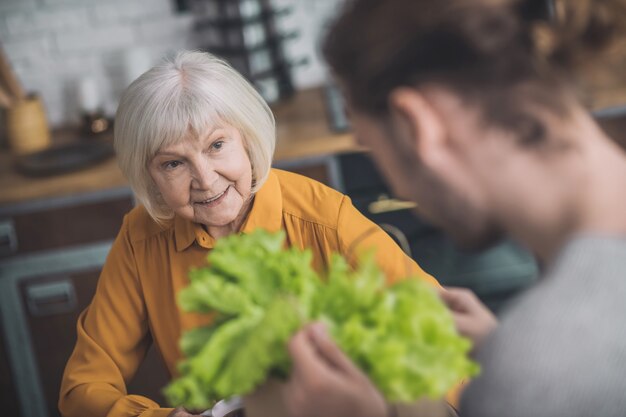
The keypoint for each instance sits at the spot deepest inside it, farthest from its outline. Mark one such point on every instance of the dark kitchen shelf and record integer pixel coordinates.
(227, 22)
(273, 42)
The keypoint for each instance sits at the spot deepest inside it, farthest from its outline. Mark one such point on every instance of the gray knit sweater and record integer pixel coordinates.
(560, 349)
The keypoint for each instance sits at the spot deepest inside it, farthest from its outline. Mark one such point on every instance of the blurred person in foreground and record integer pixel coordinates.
(470, 108)
(195, 141)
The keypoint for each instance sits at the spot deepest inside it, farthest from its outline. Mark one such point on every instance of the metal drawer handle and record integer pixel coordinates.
(8, 238)
(51, 298)
(385, 204)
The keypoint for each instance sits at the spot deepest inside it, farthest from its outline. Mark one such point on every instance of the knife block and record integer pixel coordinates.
(27, 126)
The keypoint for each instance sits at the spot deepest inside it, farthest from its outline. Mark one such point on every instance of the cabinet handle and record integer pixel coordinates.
(8, 238)
(385, 204)
(51, 298)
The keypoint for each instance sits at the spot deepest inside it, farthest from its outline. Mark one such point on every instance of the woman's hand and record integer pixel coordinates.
(472, 318)
(324, 381)
(181, 412)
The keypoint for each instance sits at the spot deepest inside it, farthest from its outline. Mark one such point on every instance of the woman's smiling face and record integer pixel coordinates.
(206, 179)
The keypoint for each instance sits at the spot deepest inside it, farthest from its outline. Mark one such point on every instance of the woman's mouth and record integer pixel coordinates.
(214, 201)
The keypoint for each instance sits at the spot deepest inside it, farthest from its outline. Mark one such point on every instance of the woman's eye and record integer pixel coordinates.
(171, 164)
(217, 145)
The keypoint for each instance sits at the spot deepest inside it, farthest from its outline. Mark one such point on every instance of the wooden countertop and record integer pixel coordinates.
(302, 130)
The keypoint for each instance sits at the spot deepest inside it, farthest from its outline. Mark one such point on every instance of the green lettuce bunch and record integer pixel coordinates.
(402, 336)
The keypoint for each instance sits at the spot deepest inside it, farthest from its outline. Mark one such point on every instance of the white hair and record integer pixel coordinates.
(183, 95)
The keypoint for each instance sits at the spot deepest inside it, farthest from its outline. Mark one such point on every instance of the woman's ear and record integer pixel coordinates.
(416, 123)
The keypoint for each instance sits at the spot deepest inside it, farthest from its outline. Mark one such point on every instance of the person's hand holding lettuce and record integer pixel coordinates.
(401, 336)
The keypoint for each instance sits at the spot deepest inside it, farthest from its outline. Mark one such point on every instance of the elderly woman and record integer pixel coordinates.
(195, 141)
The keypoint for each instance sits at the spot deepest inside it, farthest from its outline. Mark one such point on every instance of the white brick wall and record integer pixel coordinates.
(99, 38)
(45, 21)
(54, 3)
(25, 47)
(6, 5)
(52, 44)
(131, 11)
(164, 29)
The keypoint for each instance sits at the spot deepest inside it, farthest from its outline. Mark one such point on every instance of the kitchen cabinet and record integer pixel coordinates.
(45, 283)
(52, 253)
(50, 301)
(41, 296)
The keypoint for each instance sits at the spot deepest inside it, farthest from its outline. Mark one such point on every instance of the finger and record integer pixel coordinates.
(445, 294)
(460, 299)
(451, 298)
(304, 354)
(329, 350)
(181, 412)
(462, 293)
(464, 324)
(456, 292)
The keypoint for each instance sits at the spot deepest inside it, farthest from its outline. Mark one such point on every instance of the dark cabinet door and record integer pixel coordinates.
(41, 297)
(51, 305)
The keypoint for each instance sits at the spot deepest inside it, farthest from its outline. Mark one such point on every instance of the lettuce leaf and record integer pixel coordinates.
(261, 293)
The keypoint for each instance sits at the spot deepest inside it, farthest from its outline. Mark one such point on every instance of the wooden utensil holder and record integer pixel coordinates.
(27, 126)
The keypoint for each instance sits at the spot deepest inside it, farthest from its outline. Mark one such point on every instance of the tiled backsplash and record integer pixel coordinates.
(54, 44)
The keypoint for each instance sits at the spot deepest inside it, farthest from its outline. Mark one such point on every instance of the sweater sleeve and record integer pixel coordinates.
(357, 234)
(112, 341)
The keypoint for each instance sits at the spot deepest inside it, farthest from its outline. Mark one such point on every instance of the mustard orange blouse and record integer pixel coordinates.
(135, 301)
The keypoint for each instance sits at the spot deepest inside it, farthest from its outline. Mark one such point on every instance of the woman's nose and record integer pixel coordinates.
(204, 176)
